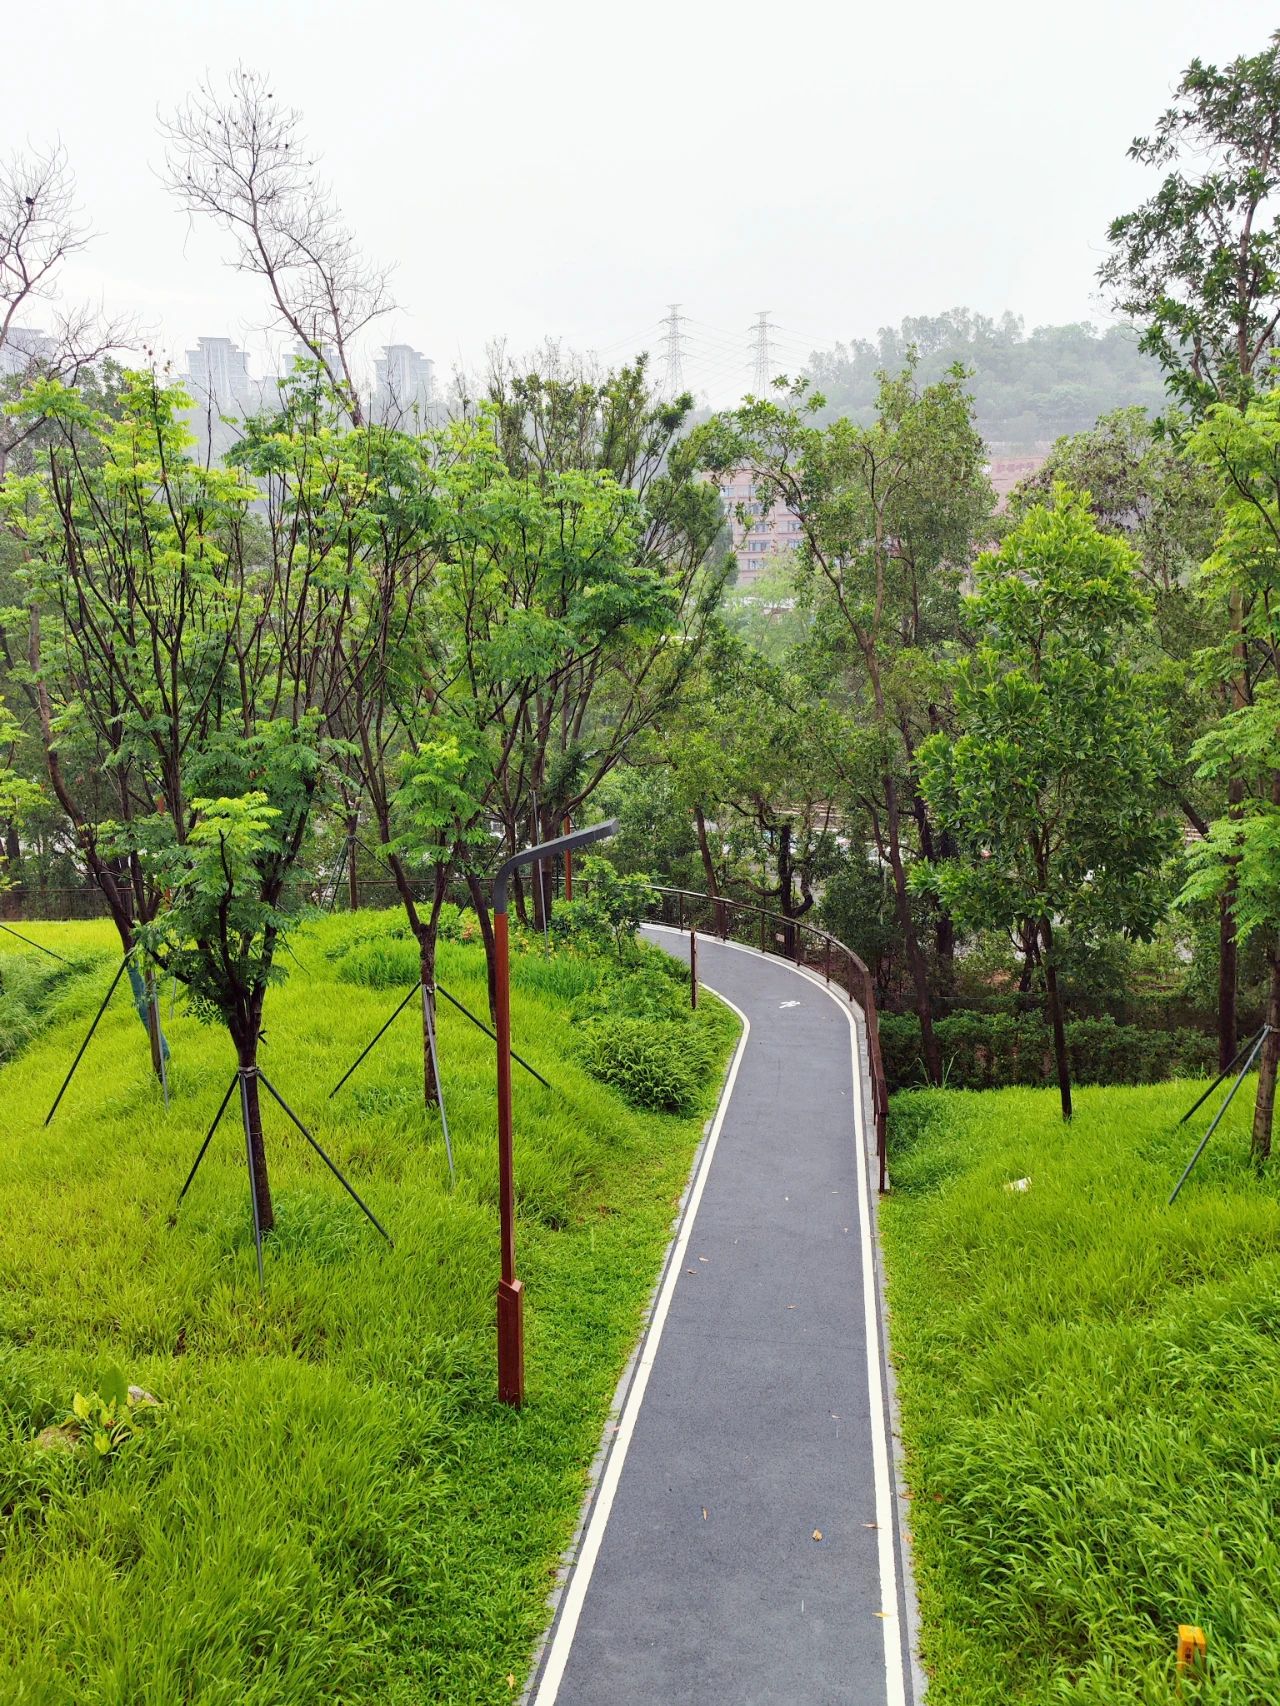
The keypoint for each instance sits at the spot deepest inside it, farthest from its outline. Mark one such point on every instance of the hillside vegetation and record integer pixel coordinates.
(1090, 1383)
(349, 1512)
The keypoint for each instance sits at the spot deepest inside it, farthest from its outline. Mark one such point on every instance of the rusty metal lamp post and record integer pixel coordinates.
(510, 1292)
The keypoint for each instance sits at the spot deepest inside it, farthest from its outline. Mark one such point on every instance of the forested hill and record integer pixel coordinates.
(1029, 388)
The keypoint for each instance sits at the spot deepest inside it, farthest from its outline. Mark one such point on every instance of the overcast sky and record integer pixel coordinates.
(566, 168)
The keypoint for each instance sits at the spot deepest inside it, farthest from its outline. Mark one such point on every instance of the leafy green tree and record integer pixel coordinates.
(744, 763)
(210, 636)
(614, 622)
(655, 828)
(1242, 851)
(1052, 783)
(1147, 488)
(1029, 386)
(18, 794)
(1197, 266)
(889, 514)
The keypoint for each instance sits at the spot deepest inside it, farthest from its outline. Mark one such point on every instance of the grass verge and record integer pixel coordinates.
(1090, 1386)
(330, 1504)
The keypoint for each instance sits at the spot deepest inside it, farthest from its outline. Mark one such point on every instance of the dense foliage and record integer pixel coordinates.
(1029, 388)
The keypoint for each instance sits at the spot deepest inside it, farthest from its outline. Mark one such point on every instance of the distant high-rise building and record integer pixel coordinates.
(404, 392)
(24, 348)
(222, 395)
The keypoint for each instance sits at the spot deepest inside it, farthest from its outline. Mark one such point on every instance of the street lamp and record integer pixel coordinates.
(510, 1291)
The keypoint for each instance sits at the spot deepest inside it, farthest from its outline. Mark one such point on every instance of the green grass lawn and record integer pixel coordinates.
(1090, 1385)
(330, 1504)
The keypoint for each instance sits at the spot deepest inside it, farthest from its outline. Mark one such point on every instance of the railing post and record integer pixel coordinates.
(693, 967)
(828, 959)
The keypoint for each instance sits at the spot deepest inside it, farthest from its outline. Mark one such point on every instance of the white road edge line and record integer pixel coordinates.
(895, 1678)
(575, 1591)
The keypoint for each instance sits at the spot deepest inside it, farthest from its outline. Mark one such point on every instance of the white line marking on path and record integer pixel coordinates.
(580, 1580)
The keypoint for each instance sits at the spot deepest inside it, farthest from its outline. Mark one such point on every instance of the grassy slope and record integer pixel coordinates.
(1091, 1394)
(332, 1505)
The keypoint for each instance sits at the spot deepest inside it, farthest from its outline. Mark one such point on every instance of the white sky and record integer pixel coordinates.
(566, 168)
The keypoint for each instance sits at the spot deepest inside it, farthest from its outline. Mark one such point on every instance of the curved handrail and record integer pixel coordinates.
(834, 958)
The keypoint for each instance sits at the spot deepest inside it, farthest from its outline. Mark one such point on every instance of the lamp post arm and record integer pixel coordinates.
(547, 850)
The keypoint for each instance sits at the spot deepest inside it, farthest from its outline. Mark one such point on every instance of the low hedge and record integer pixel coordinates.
(992, 1051)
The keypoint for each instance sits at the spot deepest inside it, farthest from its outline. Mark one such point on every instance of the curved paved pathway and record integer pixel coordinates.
(754, 1417)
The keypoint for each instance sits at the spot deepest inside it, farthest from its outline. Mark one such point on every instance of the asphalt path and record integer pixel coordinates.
(743, 1542)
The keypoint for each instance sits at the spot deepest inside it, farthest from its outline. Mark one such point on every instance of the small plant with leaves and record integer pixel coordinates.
(613, 904)
(105, 1420)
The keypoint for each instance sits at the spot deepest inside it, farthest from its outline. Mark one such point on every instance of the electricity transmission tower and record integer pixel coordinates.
(763, 368)
(674, 341)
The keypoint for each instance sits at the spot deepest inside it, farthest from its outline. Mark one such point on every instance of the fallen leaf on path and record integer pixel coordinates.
(817, 1534)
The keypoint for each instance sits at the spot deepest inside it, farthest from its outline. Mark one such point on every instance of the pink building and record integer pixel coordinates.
(763, 536)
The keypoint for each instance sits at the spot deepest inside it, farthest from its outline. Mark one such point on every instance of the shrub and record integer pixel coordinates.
(987, 1051)
(612, 906)
(656, 1064)
(642, 989)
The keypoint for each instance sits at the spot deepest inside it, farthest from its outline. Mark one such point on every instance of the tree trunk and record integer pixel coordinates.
(154, 1033)
(247, 1055)
(1026, 977)
(13, 858)
(945, 943)
(481, 904)
(911, 942)
(1264, 1103)
(944, 926)
(1054, 1004)
(1228, 951)
(353, 880)
(1228, 955)
(704, 849)
(1227, 976)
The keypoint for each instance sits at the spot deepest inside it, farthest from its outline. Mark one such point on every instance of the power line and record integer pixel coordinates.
(634, 343)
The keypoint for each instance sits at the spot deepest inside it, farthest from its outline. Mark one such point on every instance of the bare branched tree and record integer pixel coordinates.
(239, 157)
(41, 227)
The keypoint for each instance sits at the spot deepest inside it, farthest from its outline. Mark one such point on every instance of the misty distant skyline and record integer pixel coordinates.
(559, 171)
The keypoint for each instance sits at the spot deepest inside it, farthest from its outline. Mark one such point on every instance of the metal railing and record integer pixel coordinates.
(804, 945)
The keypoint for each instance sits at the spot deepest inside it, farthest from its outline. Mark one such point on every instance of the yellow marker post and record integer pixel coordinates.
(1193, 1650)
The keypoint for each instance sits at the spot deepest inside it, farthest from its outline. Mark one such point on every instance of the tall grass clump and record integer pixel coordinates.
(1090, 1383)
(328, 1504)
(36, 990)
